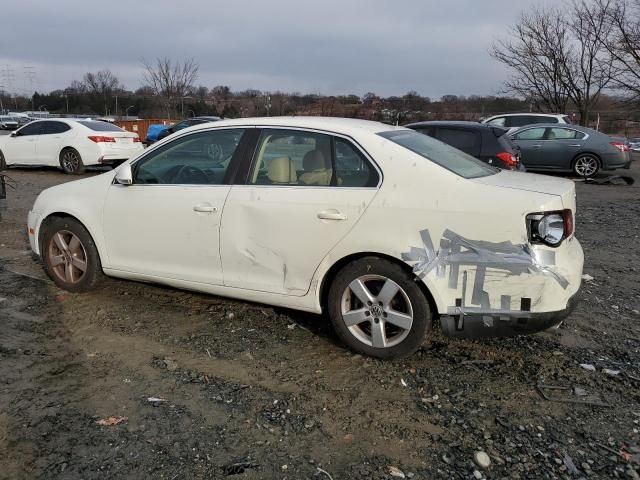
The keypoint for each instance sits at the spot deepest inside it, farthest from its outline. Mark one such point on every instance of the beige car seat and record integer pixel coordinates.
(315, 169)
(282, 170)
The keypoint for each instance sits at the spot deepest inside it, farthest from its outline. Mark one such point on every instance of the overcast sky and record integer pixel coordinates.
(329, 46)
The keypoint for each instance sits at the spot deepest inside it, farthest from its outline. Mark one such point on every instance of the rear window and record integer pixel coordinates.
(100, 126)
(440, 153)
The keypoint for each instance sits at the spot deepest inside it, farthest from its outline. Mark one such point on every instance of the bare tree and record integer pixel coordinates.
(103, 83)
(558, 58)
(171, 80)
(622, 21)
(536, 52)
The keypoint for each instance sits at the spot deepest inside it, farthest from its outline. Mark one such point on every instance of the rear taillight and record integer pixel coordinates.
(101, 139)
(623, 147)
(567, 217)
(509, 159)
(136, 139)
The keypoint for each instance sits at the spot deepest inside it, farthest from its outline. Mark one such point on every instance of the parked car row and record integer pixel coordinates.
(542, 143)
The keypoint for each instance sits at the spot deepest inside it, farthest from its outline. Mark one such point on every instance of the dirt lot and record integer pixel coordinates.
(253, 392)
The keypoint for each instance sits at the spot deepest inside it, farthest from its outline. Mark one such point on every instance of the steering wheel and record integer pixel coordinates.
(191, 174)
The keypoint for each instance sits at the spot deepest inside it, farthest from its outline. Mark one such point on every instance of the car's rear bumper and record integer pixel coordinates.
(480, 326)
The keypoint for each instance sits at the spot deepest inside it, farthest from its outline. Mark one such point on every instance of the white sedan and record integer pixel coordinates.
(69, 144)
(381, 228)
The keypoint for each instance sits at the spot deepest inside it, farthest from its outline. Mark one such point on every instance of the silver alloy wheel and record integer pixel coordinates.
(67, 256)
(377, 311)
(586, 166)
(70, 160)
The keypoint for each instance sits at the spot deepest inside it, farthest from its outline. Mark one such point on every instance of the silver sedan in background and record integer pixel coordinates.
(570, 148)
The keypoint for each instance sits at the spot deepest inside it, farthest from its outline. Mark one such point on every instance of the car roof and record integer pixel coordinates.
(335, 124)
(529, 114)
(204, 117)
(452, 123)
(570, 126)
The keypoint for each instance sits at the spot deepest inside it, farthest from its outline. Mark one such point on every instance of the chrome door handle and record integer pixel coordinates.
(205, 209)
(536, 146)
(575, 145)
(331, 215)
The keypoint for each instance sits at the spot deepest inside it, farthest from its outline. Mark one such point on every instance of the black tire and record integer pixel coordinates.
(3, 162)
(71, 161)
(409, 300)
(51, 254)
(586, 165)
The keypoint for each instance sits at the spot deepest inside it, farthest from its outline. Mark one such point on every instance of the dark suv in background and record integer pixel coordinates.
(485, 142)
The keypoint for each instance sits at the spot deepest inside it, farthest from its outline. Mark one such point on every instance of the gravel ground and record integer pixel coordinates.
(245, 391)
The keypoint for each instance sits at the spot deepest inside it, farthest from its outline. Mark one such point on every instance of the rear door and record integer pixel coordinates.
(304, 192)
(561, 146)
(530, 141)
(50, 141)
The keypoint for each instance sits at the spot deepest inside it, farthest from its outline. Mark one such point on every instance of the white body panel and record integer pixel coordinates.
(274, 249)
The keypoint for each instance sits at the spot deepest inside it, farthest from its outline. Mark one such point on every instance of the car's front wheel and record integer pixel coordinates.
(586, 165)
(378, 309)
(70, 256)
(3, 162)
(71, 161)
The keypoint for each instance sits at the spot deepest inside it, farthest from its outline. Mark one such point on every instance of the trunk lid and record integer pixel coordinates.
(530, 182)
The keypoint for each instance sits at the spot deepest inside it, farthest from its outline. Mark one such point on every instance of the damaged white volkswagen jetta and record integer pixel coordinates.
(382, 228)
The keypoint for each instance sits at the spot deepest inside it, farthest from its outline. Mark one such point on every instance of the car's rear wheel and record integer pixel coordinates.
(71, 161)
(70, 256)
(586, 165)
(3, 162)
(378, 309)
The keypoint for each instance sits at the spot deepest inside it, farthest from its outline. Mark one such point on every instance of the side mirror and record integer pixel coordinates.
(14, 134)
(124, 176)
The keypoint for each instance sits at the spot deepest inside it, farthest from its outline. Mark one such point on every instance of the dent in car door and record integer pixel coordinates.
(276, 231)
(167, 223)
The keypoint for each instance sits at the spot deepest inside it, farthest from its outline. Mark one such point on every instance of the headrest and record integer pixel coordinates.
(313, 160)
(282, 170)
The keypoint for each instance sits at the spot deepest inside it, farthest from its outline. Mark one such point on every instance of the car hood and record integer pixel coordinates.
(531, 182)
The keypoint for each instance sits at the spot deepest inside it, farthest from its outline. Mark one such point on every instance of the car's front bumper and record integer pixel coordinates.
(33, 227)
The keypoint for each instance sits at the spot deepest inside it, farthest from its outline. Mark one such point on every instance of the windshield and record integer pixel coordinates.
(440, 153)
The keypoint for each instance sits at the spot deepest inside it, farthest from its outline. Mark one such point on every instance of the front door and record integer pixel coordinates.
(166, 224)
(531, 142)
(20, 147)
(304, 192)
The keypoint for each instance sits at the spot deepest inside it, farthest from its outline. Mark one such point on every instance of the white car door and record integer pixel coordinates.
(20, 146)
(49, 142)
(166, 224)
(304, 192)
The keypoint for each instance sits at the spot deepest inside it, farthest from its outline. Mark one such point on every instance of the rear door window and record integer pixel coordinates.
(50, 128)
(499, 122)
(564, 134)
(466, 140)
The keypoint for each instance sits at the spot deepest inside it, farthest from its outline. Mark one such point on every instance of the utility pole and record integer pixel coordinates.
(117, 112)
